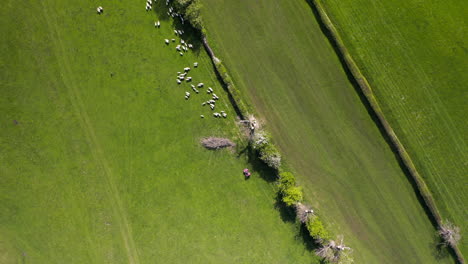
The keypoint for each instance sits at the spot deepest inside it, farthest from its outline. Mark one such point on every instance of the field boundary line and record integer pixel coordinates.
(366, 90)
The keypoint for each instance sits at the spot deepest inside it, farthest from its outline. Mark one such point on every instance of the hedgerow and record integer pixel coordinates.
(317, 229)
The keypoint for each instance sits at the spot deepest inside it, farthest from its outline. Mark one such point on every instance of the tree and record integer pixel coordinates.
(335, 252)
(449, 233)
(303, 212)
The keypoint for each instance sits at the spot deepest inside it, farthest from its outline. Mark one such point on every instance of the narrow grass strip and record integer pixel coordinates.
(370, 97)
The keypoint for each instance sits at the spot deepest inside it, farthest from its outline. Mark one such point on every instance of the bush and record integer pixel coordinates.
(303, 212)
(191, 10)
(291, 195)
(449, 233)
(286, 180)
(316, 229)
(271, 156)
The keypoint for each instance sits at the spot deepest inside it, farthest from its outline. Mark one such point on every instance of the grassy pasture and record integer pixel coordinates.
(278, 56)
(414, 55)
(97, 168)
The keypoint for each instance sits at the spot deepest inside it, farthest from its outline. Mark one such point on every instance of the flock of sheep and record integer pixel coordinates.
(182, 76)
(182, 48)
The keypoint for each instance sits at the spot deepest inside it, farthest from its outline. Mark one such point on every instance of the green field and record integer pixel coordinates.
(100, 159)
(415, 56)
(279, 57)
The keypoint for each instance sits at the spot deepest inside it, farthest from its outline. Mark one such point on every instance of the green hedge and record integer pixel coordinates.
(317, 229)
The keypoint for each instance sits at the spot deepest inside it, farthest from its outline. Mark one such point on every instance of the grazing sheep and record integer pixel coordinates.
(181, 54)
(178, 81)
(195, 64)
(193, 86)
(188, 79)
(190, 46)
(224, 115)
(173, 40)
(200, 85)
(167, 41)
(187, 93)
(212, 106)
(203, 104)
(100, 9)
(157, 24)
(202, 116)
(181, 78)
(181, 40)
(187, 69)
(178, 48)
(175, 31)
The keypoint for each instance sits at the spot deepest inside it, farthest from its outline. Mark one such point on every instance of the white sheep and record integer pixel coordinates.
(181, 54)
(178, 81)
(195, 64)
(188, 79)
(200, 85)
(187, 69)
(190, 46)
(224, 115)
(202, 116)
(167, 41)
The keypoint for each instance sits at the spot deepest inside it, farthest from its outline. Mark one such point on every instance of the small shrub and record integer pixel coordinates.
(316, 229)
(450, 234)
(260, 139)
(291, 195)
(303, 212)
(271, 156)
(215, 143)
(286, 180)
(335, 251)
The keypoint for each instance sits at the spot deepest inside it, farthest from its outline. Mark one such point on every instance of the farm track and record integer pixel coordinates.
(93, 142)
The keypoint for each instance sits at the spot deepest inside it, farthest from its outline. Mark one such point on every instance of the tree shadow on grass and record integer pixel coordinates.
(287, 214)
(442, 251)
(266, 173)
